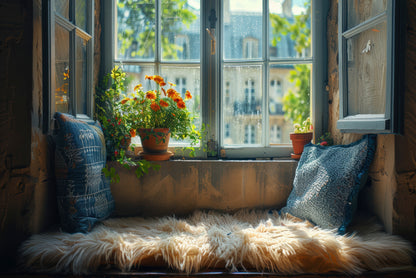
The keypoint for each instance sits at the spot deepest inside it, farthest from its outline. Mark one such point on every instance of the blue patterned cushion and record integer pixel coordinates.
(327, 182)
(83, 192)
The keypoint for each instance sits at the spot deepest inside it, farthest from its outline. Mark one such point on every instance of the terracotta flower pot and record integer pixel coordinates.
(299, 140)
(155, 143)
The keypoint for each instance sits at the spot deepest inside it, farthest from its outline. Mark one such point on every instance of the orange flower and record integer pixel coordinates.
(171, 84)
(158, 79)
(171, 92)
(132, 132)
(148, 77)
(177, 98)
(138, 87)
(162, 83)
(188, 95)
(124, 100)
(151, 95)
(163, 103)
(181, 104)
(154, 106)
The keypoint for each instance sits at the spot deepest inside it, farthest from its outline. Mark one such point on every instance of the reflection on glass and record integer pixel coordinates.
(362, 10)
(242, 104)
(290, 29)
(289, 95)
(367, 64)
(62, 7)
(180, 36)
(81, 75)
(62, 73)
(242, 29)
(81, 9)
(136, 29)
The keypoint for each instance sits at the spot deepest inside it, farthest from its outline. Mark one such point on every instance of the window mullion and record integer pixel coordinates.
(265, 89)
(72, 71)
(158, 42)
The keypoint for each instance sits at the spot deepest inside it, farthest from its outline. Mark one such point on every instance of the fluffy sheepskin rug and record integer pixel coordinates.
(257, 240)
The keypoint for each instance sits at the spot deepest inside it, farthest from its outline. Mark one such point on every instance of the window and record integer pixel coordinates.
(369, 41)
(69, 57)
(239, 81)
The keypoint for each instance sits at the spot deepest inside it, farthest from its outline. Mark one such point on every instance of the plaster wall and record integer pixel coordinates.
(180, 187)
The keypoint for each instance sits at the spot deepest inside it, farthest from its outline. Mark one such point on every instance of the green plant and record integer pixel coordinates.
(161, 108)
(305, 127)
(116, 128)
(325, 139)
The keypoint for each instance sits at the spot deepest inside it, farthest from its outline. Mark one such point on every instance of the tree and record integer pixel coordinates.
(136, 26)
(296, 103)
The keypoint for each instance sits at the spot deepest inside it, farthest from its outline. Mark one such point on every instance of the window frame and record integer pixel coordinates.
(211, 87)
(391, 120)
(50, 18)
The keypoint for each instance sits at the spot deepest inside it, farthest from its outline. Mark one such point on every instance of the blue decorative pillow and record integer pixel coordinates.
(327, 182)
(83, 192)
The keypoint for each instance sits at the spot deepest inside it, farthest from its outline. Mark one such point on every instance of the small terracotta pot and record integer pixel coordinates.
(155, 143)
(299, 140)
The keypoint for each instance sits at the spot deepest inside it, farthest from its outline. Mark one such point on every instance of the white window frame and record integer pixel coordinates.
(211, 88)
(391, 120)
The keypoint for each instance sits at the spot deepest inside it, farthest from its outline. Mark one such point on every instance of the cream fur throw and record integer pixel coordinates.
(256, 240)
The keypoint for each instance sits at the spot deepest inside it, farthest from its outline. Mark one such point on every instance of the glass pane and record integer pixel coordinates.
(290, 29)
(180, 30)
(62, 73)
(81, 75)
(136, 29)
(62, 7)
(367, 65)
(362, 10)
(242, 29)
(81, 9)
(186, 78)
(242, 102)
(289, 99)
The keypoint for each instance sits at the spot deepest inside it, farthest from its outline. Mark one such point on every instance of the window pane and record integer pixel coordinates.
(290, 29)
(62, 7)
(62, 73)
(242, 105)
(136, 29)
(186, 78)
(362, 10)
(180, 30)
(242, 29)
(81, 9)
(81, 75)
(289, 99)
(367, 65)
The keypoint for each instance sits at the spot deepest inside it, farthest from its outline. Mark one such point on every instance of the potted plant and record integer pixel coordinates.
(116, 127)
(157, 115)
(301, 136)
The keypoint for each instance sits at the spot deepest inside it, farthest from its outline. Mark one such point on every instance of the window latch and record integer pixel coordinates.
(211, 31)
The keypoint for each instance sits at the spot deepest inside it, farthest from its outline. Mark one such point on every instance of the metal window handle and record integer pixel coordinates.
(211, 33)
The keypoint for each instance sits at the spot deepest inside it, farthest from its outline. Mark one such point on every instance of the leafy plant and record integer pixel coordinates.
(117, 130)
(325, 139)
(161, 108)
(305, 127)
